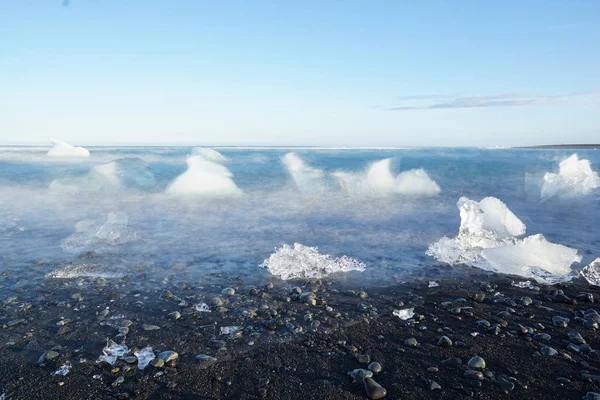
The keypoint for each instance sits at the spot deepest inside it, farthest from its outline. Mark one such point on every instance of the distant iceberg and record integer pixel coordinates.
(205, 177)
(124, 173)
(575, 179)
(62, 149)
(306, 178)
(379, 180)
(488, 239)
(376, 180)
(302, 262)
(208, 154)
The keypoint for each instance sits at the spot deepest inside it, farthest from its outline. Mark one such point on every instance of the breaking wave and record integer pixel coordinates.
(124, 173)
(302, 262)
(488, 239)
(62, 149)
(204, 178)
(575, 179)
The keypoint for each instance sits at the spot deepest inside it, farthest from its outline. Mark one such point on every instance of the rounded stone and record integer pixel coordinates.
(373, 389)
(228, 291)
(412, 342)
(477, 362)
(375, 367)
(444, 341)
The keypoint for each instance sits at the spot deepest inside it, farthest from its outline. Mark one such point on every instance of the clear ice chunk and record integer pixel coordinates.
(144, 357)
(404, 314)
(591, 272)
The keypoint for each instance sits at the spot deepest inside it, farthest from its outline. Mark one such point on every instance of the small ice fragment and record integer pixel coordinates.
(304, 262)
(591, 273)
(156, 375)
(82, 361)
(64, 369)
(404, 314)
(229, 330)
(474, 334)
(202, 307)
(524, 285)
(144, 357)
(112, 351)
(433, 284)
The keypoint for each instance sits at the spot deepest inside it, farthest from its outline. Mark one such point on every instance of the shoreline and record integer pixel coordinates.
(280, 352)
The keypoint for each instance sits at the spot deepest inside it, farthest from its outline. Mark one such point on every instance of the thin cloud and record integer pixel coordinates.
(497, 100)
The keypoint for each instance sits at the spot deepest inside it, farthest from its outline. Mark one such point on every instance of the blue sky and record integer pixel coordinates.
(325, 73)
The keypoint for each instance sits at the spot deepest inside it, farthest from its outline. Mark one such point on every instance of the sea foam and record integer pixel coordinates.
(208, 154)
(205, 178)
(62, 149)
(301, 262)
(574, 179)
(488, 238)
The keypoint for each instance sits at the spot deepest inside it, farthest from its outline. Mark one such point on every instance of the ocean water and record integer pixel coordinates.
(180, 210)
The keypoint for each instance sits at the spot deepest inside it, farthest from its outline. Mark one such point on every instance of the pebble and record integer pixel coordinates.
(168, 355)
(228, 291)
(452, 362)
(505, 383)
(432, 385)
(548, 351)
(560, 321)
(118, 381)
(157, 362)
(444, 341)
(477, 362)
(150, 327)
(359, 374)
(479, 297)
(411, 342)
(175, 315)
(375, 367)
(15, 322)
(471, 373)
(363, 358)
(373, 389)
(433, 369)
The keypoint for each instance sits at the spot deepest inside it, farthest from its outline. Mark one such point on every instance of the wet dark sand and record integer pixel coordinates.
(306, 364)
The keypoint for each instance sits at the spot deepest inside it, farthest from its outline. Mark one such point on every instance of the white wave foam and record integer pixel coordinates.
(574, 179)
(306, 178)
(488, 239)
(124, 173)
(62, 149)
(379, 180)
(208, 154)
(301, 262)
(206, 179)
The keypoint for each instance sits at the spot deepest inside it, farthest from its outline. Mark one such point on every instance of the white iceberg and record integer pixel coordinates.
(591, 272)
(306, 178)
(488, 238)
(208, 154)
(204, 178)
(62, 149)
(124, 173)
(302, 262)
(575, 179)
(378, 180)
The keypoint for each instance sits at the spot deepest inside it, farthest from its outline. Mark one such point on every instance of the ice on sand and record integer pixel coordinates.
(112, 351)
(591, 272)
(144, 357)
(488, 238)
(301, 261)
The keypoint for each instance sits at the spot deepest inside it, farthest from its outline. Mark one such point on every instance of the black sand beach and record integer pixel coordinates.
(282, 352)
